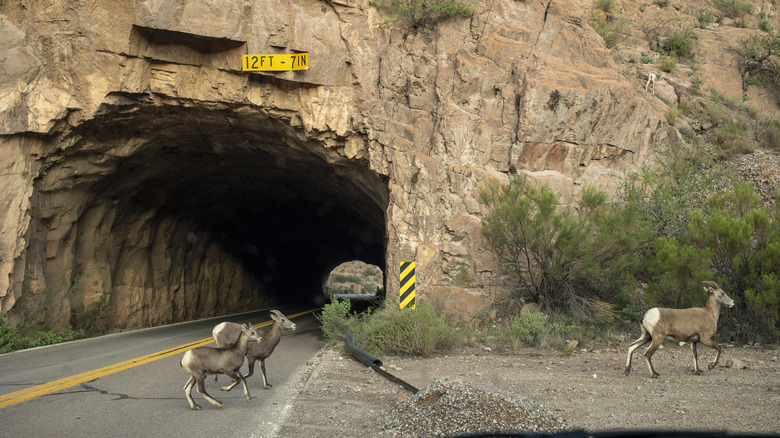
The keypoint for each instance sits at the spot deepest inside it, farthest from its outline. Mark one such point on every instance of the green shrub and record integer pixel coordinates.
(528, 328)
(664, 195)
(464, 277)
(420, 331)
(419, 13)
(336, 321)
(688, 135)
(732, 137)
(745, 242)
(345, 278)
(727, 101)
(671, 114)
(12, 339)
(704, 18)
(679, 44)
(734, 8)
(567, 261)
(667, 64)
(604, 6)
(676, 272)
(647, 59)
(769, 134)
(661, 3)
(683, 105)
(760, 55)
(613, 32)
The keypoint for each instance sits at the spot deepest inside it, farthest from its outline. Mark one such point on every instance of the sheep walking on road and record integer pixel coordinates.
(692, 325)
(201, 361)
(226, 333)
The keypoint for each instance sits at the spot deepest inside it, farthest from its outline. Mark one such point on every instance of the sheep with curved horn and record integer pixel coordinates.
(226, 333)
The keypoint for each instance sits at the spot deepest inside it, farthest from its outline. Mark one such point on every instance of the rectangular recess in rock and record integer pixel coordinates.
(186, 48)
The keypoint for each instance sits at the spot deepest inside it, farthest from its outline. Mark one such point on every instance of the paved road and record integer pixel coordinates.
(145, 399)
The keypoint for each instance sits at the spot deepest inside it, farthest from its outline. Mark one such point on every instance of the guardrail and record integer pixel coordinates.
(373, 362)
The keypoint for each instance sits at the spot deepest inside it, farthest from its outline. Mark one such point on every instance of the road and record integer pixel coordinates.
(143, 396)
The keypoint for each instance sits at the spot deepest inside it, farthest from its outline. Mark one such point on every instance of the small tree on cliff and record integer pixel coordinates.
(575, 262)
(418, 13)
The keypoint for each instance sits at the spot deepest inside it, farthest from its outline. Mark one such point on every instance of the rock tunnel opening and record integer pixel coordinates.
(156, 215)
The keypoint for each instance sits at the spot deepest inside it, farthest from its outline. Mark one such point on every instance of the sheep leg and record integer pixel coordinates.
(236, 375)
(232, 385)
(644, 339)
(201, 388)
(251, 366)
(696, 369)
(708, 342)
(188, 393)
(265, 379)
(649, 353)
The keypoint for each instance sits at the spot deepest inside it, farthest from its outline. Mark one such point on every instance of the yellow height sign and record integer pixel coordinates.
(275, 62)
(407, 285)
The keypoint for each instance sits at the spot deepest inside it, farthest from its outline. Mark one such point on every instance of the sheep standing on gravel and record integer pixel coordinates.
(693, 325)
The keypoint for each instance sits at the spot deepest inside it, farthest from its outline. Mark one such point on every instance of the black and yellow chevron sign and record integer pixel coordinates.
(407, 285)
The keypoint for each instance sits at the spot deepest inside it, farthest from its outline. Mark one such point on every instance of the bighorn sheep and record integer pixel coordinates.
(650, 83)
(692, 325)
(200, 361)
(226, 333)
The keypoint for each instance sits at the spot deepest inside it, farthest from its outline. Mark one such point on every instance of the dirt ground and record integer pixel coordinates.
(337, 396)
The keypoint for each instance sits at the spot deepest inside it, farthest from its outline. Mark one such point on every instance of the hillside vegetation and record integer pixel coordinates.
(709, 212)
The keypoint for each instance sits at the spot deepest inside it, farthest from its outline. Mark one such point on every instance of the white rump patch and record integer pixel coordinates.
(651, 319)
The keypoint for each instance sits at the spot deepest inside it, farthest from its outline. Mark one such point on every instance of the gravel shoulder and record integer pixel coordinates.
(588, 389)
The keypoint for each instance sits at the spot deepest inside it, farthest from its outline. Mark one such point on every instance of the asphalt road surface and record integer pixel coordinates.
(130, 384)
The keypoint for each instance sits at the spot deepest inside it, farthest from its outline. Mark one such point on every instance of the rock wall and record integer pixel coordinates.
(418, 120)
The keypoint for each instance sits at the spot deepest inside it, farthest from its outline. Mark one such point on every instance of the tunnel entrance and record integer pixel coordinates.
(156, 214)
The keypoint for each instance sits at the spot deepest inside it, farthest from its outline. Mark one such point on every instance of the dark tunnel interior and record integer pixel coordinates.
(281, 203)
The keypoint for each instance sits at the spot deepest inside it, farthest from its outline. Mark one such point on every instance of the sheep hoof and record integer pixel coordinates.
(225, 388)
(627, 371)
(697, 372)
(269, 386)
(655, 375)
(711, 366)
(195, 407)
(248, 398)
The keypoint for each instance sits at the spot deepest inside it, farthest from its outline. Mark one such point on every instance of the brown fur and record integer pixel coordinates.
(693, 325)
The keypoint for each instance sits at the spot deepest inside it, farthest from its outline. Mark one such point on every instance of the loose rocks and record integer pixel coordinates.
(447, 408)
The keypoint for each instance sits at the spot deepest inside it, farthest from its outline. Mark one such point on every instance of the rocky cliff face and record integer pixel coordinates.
(146, 179)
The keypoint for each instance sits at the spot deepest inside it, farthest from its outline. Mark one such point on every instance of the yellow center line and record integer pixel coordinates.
(67, 382)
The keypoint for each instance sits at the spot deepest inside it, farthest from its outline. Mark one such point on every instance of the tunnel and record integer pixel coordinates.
(154, 213)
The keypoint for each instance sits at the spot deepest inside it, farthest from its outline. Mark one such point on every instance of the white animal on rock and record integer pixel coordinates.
(201, 361)
(650, 83)
(226, 333)
(693, 325)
